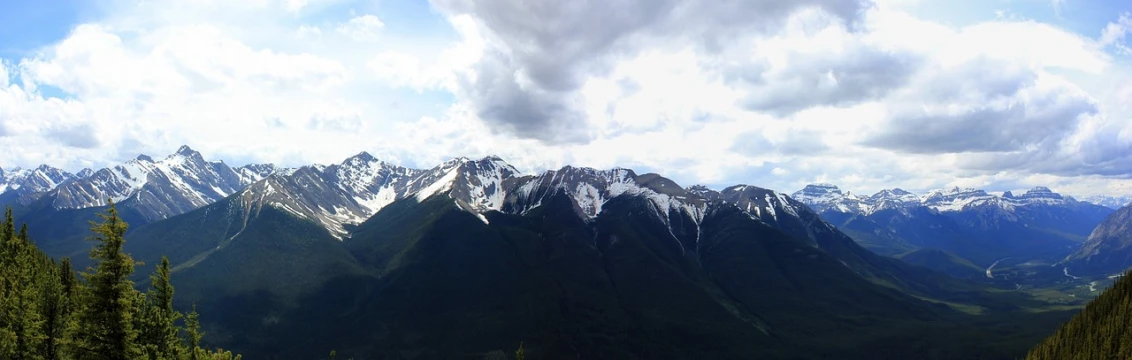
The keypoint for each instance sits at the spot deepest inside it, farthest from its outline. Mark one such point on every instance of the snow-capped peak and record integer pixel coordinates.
(1041, 195)
(894, 194)
(825, 196)
(251, 173)
(477, 183)
(590, 189)
(186, 151)
(31, 183)
(173, 185)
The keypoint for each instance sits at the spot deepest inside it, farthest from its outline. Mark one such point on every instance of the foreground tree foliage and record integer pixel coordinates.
(47, 312)
(1103, 330)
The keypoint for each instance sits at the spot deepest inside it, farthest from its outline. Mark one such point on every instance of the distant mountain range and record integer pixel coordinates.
(970, 223)
(1112, 202)
(58, 204)
(158, 188)
(824, 197)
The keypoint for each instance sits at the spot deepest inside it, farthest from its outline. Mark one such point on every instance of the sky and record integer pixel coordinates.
(916, 94)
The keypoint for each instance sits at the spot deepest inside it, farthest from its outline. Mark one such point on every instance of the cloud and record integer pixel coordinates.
(540, 54)
(789, 142)
(309, 31)
(361, 28)
(77, 135)
(1114, 33)
(979, 107)
(801, 68)
(177, 84)
(404, 70)
(4, 76)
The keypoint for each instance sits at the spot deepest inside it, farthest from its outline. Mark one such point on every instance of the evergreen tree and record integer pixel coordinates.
(51, 305)
(1103, 330)
(105, 328)
(8, 284)
(159, 334)
(57, 300)
(46, 312)
(192, 330)
(21, 322)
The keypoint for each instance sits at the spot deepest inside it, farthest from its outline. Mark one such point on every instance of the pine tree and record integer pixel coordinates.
(57, 301)
(159, 334)
(51, 306)
(105, 328)
(21, 334)
(192, 330)
(8, 287)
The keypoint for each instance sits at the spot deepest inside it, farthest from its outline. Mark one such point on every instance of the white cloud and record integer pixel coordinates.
(309, 31)
(361, 28)
(1115, 33)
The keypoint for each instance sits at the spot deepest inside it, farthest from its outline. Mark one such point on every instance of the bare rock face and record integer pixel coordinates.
(1109, 248)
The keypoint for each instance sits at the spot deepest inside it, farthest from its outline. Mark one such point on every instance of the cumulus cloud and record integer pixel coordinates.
(540, 54)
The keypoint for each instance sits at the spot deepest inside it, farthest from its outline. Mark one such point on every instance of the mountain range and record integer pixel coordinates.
(977, 226)
(471, 257)
(1111, 202)
(58, 205)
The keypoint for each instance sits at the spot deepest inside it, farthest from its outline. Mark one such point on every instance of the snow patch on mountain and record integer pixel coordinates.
(440, 185)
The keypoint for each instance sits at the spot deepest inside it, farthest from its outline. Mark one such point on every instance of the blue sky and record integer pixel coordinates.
(26, 26)
(917, 94)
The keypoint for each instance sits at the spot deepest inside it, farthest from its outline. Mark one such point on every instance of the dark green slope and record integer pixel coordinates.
(925, 228)
(814, 293)
(871, 235)
(1007, 234)
(259, 274)
(623, 287)
(63, 232)
(943, 262)
(1103, 330)
(542, 279)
